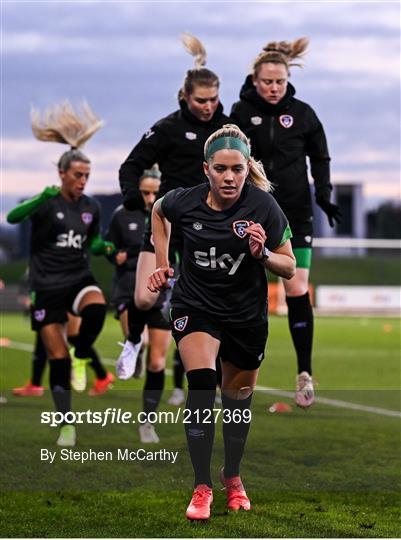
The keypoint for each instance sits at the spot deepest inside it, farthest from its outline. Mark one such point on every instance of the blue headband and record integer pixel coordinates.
(227, 143)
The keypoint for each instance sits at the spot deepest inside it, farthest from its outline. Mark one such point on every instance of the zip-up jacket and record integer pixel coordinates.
(282, 136)
(176, 143)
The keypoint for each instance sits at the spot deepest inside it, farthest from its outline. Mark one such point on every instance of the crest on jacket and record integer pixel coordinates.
(286, 120)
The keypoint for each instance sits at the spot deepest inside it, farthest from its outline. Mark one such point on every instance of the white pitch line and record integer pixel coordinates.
(334, 402)
(274, 391)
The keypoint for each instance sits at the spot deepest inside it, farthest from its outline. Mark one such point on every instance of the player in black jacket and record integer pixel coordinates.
(65, 226)
(176, 144)
(126, 232)
(232, 232)
(284, 131)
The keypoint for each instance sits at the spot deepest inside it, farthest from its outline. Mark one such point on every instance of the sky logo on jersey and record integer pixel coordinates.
(205, 260)
(70, 240)
(286, 120)
(181, 323)
(87, 218)
(239, 227)
(39, 315)
(191, 136)
(133, 226)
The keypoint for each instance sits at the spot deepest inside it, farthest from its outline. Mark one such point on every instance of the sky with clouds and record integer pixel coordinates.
(126, 60)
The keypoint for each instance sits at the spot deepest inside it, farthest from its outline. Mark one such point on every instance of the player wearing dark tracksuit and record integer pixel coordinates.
(284, 132)
(176, 144)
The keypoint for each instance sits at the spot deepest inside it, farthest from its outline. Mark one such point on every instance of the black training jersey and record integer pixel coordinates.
(219, 274)
(61, 231)
(126, 232)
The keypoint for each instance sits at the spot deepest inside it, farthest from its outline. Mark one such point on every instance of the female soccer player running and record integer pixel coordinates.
(176, 144)
(283, 132)
(126, 232)
(65, 225)
(233, 230)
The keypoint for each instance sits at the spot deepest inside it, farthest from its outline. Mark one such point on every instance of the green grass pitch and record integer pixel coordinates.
(331, 472)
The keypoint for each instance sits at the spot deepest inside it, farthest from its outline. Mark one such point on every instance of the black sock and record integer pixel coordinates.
(38, 361)
(97, 365)
(178, 370)
(59, 378)
(92, 322)
(235, 433)
(153, 389)
(300, 320)
(200, 434)
(137, 319)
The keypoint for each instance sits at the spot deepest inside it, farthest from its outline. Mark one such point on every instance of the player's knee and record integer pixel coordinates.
(297, 290)
(236, 393)
(156, 363)
(144, 301)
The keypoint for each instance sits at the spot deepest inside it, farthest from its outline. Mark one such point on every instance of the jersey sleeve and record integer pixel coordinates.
(150, 149)
(170, 204)
(276, 226)
(317, 150)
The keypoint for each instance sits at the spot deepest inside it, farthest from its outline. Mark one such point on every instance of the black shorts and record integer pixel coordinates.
(302, 232)
(242, 346)
(122, 290)
(51, 306)
(175, 247)
(154, 317)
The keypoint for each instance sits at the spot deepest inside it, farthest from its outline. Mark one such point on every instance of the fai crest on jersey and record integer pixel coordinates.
(256, 120)
(191, 136)
(286, 120)
(197, 226)
(39, 315)
(181, 323)
(60, 215)
(239, 227)
(86, 218)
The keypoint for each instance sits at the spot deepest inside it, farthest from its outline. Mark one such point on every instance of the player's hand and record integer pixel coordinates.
(121, 257)
(133, 200)
(50, 191)
(257, 239)
(332, 211)
(158, 280)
